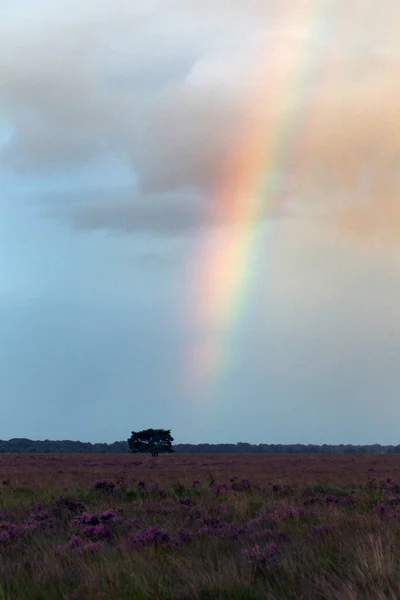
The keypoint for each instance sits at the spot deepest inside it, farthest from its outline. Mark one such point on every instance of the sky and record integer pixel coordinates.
(200, 220)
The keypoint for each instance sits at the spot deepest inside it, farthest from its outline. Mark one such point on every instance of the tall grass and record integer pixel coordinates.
(212, 539)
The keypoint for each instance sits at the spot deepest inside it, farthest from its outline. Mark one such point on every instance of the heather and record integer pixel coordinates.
(221, 530)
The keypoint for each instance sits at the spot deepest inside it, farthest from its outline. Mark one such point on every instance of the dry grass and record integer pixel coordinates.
(289, 527)
(78, 469)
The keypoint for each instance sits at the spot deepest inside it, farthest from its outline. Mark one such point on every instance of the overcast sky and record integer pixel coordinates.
(139, 286)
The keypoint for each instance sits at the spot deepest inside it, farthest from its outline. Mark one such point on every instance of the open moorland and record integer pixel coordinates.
(199, 527)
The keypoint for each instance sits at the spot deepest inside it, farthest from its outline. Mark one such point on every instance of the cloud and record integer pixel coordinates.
(160, 213)
(378, 221)
(179, 211)
(185, 93)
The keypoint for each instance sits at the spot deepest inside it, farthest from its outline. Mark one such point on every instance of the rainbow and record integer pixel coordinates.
(247, 195)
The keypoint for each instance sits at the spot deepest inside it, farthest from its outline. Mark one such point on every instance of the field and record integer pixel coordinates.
(240, 527)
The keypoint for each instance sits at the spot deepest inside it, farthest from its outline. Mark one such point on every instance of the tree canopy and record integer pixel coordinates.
(151, 440)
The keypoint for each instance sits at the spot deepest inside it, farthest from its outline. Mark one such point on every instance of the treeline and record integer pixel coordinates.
(62, 446)
(69, 447)
(244, 448)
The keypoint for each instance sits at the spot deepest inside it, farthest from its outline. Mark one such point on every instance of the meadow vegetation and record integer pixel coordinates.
(206, 528)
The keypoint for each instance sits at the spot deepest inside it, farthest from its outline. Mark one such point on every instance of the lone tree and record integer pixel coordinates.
(151, 440)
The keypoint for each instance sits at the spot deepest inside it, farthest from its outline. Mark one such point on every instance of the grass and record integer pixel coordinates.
(148, 535)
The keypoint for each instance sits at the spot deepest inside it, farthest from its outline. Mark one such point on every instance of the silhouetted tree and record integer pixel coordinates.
(151, 440)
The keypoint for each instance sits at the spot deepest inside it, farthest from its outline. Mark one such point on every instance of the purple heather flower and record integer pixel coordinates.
(86, 519)
(97, 531)
(182, 537)
(74, 542)
(28, 527)
(146, 537)
(10, 532)
(45, 519)
(108, 515)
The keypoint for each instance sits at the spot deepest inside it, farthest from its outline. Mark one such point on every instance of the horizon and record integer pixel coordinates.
(200, 219)
(209, 443)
